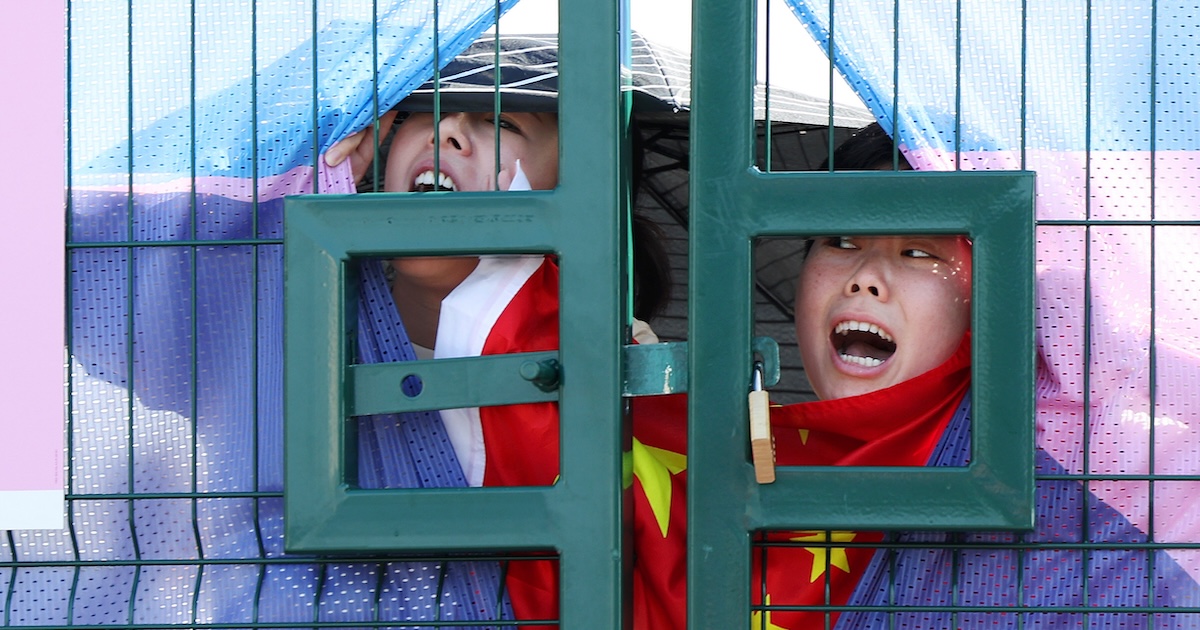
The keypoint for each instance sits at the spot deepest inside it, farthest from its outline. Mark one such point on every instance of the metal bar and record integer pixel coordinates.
(437, 99)
(131, 258)
(1119, 222)
(895, 85)
(721, 124)
(173, 495)
(194, 312)
(254, 128)
(313, 624)
(831, 52)
(655, 369)
(958, 22)
(1153, 345)
(12, 581)
(192, 119)
(446, 383)
(998, 608)
(1085, 516)
(194, 407)
(261, 573)
(496, 98)
(766, 90)
(285, 560)
(316, 99)
(188, 243)
(988, 545)
(68, 334)
(377, 136)
(1024, 83)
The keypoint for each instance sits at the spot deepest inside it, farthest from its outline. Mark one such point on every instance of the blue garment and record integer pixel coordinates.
(942, 569)
(208, 419)
(175, 507)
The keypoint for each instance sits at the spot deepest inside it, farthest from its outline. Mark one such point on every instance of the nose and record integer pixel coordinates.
(868, 277)
(453, 132)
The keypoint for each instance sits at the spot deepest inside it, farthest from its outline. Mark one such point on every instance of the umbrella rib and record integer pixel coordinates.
(681, 218)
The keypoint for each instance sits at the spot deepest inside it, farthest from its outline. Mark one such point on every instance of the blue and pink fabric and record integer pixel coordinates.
(1101, 102)
(188, 128)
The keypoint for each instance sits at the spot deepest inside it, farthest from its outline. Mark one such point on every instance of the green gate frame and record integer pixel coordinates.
(733, 203)
(583, 221)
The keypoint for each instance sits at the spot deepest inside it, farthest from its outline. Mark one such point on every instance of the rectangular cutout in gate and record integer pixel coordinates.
(875, 347)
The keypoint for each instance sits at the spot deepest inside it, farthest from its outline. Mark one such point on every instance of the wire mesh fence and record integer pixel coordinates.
(189, 122)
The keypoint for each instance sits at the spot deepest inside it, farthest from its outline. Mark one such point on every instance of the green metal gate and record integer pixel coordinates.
(734, 204)
(48, 578)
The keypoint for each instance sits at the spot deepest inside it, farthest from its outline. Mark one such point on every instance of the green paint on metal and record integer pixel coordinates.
(766, 350)
(732, 204)
(662, 368)
(583, 223)
(446, 383)
(655, 369)
(545, 374)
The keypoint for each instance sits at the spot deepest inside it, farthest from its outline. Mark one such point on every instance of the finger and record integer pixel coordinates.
(365, 151)
(504, 179)
(343, 148)
(385, 122)
(364, 154)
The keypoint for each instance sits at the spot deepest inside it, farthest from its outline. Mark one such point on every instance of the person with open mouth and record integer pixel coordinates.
(875, 311)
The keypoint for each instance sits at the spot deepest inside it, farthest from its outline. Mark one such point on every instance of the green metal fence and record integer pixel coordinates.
(50, 579)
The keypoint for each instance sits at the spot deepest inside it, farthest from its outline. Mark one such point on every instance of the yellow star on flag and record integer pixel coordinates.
(757, 621)
(803, 432)
(654, 467)
(837, 555)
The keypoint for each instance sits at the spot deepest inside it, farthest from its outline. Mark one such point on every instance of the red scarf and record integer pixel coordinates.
(897, 426)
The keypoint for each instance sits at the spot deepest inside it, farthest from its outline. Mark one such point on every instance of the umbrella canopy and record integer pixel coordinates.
(660, 78)
(660, 83)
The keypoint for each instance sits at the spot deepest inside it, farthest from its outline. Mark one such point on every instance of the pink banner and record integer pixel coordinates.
(32, 62)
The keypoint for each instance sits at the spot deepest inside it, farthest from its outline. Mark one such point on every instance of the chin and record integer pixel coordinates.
(850, 391)
(842, 386)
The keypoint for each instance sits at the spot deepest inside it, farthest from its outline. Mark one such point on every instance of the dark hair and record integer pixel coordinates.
(868, 149)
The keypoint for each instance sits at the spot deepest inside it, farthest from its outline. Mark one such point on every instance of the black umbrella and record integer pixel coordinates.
(661, 87)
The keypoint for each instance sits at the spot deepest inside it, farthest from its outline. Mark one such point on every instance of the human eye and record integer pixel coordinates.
(917, 253)
(840, 242)
(506, 123)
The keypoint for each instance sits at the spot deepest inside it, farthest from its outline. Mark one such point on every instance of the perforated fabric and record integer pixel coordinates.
(923, 569)
(249, 101)
(413, 450)
(193, 130)
(1099, 99)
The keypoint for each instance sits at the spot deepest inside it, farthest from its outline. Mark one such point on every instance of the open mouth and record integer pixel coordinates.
(861, 343)
(428, 181)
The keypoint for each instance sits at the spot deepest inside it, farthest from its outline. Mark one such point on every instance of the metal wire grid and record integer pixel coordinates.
(69, 571)
(1023, 605)
(50, 575)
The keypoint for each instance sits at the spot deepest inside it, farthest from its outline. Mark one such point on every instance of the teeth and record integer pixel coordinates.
(426, 179)
(864, 327)
(863, 361)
